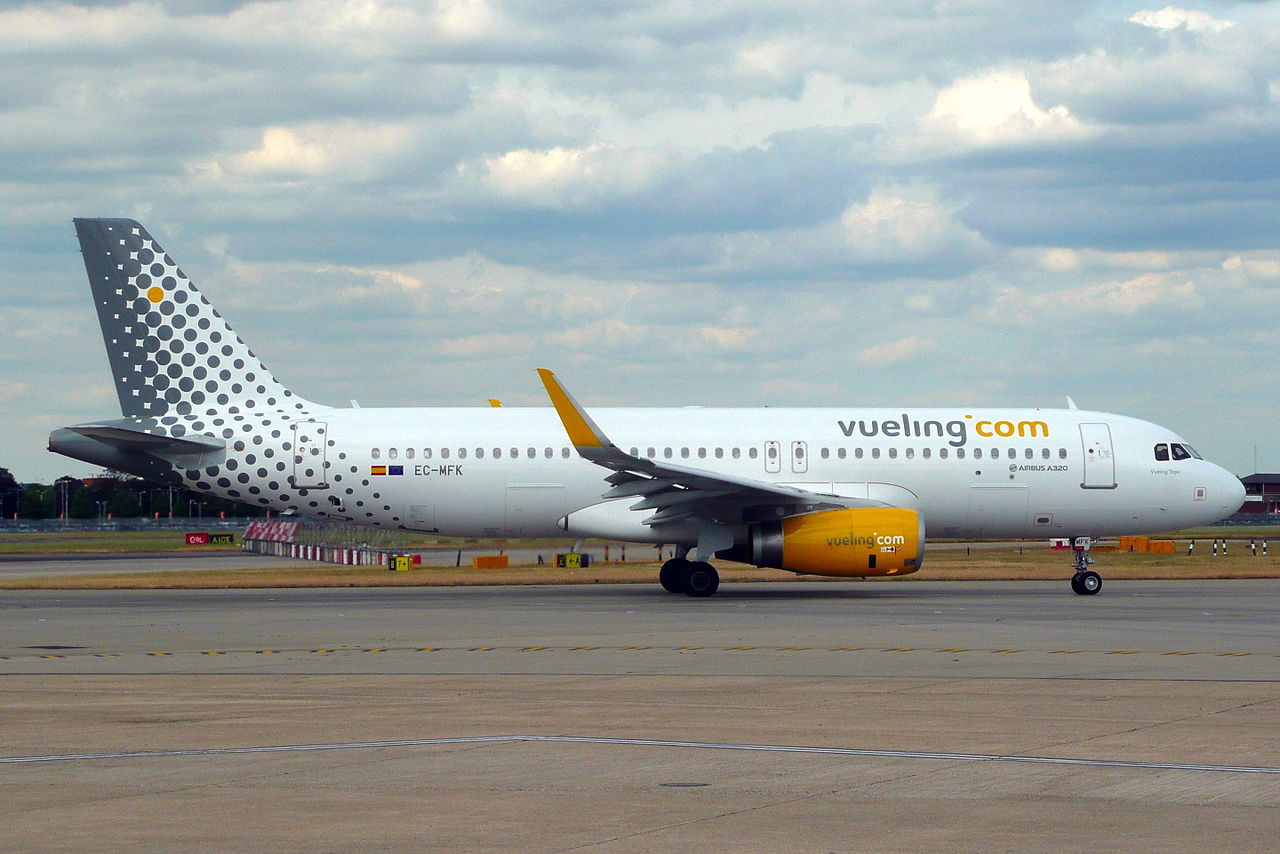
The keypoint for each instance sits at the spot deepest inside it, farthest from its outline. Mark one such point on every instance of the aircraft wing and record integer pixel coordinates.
(676, 492)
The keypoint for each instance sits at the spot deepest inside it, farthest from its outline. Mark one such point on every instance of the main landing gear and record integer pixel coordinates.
(1085, 582)
(692, 577)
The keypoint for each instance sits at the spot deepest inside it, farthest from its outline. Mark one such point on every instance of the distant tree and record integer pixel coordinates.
(8, 487)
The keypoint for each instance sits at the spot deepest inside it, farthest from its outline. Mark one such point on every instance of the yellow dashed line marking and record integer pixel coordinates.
(900, 649)
(1123, 652)
(427, 649)
(533, 649)
(157, 654)
(1232, 654)
(47, 655)
(1007, 651)
(481, 648)
(266, 652)
(1178, 653)
(211, 652)
(1066, 651)
(583, 648)
(321, 651)
(375, 649)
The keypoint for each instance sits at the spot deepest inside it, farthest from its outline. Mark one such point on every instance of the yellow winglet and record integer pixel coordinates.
(583, 432)
(495, 403)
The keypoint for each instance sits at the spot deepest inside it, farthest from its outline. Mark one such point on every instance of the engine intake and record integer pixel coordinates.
(850, 542)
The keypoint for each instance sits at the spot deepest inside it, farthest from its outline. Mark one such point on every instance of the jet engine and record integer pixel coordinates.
(848, 542)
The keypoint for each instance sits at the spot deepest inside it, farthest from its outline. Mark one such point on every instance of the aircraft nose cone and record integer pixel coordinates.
(1234, 490)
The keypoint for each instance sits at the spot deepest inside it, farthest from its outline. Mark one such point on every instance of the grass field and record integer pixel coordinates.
(951, 565)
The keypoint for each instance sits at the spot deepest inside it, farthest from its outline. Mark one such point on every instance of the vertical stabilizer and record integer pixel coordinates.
(170, 350)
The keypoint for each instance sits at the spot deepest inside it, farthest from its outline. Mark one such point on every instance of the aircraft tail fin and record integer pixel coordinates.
(170, 351)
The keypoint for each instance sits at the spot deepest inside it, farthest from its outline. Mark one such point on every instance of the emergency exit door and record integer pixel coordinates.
(1099, 457)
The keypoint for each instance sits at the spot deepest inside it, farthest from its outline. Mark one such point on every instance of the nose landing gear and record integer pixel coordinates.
(1085, 582)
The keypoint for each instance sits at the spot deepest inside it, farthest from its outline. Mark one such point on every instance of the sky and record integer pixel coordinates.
(670, 203)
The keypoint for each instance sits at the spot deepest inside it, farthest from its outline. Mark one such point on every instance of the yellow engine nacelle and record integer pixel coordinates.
(854, 542)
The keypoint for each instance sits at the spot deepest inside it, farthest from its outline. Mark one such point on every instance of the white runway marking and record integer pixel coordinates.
(640, 742)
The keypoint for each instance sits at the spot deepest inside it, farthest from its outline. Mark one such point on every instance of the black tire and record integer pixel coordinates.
(701, 579)
(671, 575)
(1075, 585)
(1090, 583)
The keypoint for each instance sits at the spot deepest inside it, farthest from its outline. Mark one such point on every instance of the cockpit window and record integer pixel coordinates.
(1179, 452)
(1193, 452)
(1162, 453)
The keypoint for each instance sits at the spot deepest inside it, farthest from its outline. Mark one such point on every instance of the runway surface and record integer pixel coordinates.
(904, 716)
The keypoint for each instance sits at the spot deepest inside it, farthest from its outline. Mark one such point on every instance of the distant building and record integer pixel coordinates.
(1262, 493)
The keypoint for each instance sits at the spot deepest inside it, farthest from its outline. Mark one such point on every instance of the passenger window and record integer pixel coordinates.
(977, 453)
(995, 453)
(1044, 453)
(444, 453)
(927, 453)
(702, 453)
(719, 453)
(911, 453)
(391, 454)
(841, 453)
(426, 453)
(532, 453)
(684, 453)
(857, 452)
(375, 453)
(1062, 453)
(462, 453)
(1162, 453)
(651, 453)
(736, 454)
(1029, 454)
(479, 453)
(564, 452)
(1179, 452)
(408, 453)
(772, 452)
(875, 453)
(942, 453)
(753, 453)
(547, 452)
(799, 452)
(666, 452)
(515, 453)
(893, 453)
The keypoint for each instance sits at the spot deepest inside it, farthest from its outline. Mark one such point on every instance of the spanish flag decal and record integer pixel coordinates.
(377, 470)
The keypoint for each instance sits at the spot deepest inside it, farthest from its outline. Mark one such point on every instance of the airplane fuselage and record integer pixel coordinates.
(510, 471)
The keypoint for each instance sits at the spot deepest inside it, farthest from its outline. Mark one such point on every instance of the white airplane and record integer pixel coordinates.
(832, 491)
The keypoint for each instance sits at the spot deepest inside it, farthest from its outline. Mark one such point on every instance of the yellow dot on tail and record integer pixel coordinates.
(155, 294)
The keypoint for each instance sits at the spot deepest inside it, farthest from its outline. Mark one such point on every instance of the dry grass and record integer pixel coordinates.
(940, 566)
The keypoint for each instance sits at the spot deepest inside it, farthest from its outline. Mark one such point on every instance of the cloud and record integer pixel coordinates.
(1172, 18)
(997, 107)
(895, 351)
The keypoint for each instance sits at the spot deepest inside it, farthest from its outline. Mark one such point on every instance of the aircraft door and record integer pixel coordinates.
(799, 457)
(772, 457)
(1099, 457)
(310, 440)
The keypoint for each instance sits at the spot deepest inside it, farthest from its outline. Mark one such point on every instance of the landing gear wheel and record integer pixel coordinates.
(671, 575)
(701, 579)
(1086, 583)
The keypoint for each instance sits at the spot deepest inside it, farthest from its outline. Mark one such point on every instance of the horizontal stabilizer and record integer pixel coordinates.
(126, 439)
